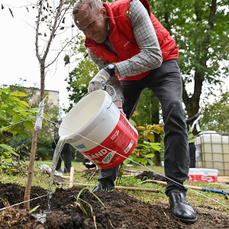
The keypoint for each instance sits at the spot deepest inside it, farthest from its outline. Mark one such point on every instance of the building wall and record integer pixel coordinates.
(52, 95)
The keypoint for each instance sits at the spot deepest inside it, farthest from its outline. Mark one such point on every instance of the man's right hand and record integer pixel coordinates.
(99, 81)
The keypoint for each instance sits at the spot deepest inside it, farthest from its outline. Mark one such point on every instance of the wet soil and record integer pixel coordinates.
(77, 208)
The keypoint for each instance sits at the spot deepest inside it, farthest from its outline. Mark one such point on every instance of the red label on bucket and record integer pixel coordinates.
(203, 178)
(116, 147)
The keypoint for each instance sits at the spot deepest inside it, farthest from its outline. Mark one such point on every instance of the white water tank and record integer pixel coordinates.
(212, 151)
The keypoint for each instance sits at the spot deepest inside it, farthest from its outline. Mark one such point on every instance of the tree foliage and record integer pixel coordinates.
(216, 115)
(200, 29)
(146, 147)
(16, 118)
(22, 145)
(147, 107)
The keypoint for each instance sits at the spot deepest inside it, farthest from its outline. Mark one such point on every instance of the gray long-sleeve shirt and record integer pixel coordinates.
(150, 56)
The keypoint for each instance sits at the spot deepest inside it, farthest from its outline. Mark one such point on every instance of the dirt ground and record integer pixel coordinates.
(73, 208)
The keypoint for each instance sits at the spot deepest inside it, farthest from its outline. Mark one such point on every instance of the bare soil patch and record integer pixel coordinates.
(120, 211)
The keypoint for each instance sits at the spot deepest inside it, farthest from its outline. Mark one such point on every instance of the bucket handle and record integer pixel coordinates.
(109, 106)
(112, 96)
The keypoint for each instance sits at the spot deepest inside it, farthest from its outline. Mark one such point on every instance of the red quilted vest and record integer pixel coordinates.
(123, 40)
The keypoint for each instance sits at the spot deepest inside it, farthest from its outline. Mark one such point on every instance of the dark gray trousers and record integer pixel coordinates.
(166, 84)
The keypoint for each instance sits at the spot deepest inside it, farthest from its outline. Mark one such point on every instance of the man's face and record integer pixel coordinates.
(91, 23)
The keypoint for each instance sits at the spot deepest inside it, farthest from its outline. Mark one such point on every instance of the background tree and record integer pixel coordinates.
(50, 19)
(200, 30)
(216, 115)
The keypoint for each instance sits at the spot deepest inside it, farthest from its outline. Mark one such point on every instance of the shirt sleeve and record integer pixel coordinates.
(150, 56)
(98, 61)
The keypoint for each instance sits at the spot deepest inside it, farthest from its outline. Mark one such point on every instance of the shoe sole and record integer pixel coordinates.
(186, 220)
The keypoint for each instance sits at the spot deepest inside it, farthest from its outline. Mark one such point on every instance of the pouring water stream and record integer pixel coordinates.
(56, 156)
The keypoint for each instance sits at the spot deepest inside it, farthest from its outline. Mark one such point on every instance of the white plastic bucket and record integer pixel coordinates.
(203, 175)
(97, 129)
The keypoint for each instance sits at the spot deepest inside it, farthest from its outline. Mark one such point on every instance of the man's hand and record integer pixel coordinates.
(99, 81)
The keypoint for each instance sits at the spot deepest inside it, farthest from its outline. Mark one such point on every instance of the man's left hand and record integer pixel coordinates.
(99, 81)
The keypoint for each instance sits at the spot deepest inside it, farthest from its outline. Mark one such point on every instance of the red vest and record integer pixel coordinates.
(122, 38)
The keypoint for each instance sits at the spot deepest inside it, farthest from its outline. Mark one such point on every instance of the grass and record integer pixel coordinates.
(196, 198)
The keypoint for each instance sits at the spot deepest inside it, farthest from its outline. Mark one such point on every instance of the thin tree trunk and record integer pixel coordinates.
(41, 58)
(30, 170)
(42, 82)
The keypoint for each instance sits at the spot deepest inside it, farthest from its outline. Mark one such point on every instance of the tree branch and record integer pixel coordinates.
(37, 31)
(54, 28)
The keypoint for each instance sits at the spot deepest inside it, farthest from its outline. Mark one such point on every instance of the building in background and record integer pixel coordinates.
(52, 95)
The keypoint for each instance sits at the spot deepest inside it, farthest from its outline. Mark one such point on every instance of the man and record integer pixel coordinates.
(191, 139)
(126, 33)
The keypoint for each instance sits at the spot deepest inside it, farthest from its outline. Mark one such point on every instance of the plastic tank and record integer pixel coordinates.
(212, 151)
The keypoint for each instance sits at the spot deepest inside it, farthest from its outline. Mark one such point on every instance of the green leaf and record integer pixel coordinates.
(150, 155)
(7, 147)
(19, 94)
(155, 146)
(2, 115)
(28, 125)
(133, 122)
(16, 118)
(143, 161)
(25, 103)
(125, 162)
(4, 91)
(11, 111)
(150, 162)
(34, 209)
(8, 160)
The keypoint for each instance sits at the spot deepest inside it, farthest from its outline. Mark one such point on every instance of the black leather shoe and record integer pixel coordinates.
(181, 209)
(99, 187)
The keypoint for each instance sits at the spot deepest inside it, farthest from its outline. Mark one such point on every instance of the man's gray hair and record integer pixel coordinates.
(95, 5)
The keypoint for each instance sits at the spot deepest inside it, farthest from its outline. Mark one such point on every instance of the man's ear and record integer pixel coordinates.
(103, 12)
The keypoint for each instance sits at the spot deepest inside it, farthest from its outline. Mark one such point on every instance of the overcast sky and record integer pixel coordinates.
(17, 51)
